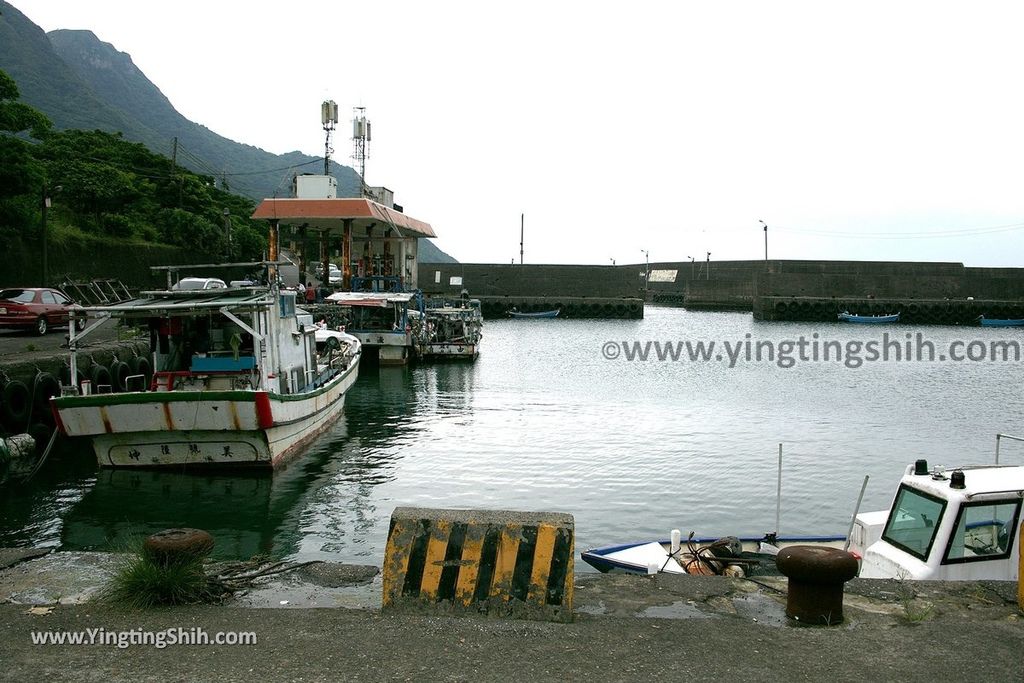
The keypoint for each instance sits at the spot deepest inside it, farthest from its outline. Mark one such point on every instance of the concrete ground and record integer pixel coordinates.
(627, 627)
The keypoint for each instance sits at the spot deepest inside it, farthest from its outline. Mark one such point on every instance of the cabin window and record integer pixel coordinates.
(914, 521)
(983, 531)
(288, 305)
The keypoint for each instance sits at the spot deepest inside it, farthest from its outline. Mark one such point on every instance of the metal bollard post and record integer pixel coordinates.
(816, 577)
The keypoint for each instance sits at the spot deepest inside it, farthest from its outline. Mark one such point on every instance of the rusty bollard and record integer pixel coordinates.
(177, 546)
(816, 577)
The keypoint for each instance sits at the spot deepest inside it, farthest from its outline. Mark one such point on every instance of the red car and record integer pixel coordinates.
(36, 308)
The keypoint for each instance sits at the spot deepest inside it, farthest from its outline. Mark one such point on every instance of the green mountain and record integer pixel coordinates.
(81, 82)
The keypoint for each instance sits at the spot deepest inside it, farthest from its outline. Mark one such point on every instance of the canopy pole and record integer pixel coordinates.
(846, 546)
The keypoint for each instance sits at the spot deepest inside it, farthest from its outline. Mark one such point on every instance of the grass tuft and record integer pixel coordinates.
(141, 583)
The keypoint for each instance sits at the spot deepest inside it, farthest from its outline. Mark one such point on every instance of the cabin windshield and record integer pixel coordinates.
(914, 521)
(983, 532)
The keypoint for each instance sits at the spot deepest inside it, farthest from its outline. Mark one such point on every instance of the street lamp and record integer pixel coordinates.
(46, 205)
(647, 270)
(765, 242)
(691, 266)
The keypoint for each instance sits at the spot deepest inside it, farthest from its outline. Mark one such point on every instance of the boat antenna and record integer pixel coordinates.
(778, 491)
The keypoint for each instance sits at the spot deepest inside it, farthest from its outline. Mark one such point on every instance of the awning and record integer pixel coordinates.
(328, 216)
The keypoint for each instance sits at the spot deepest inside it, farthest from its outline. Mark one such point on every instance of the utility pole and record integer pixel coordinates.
(708, 274)
(227, 228)
(522, 218)
(691, 266)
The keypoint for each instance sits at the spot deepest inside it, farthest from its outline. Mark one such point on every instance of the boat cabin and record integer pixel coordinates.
(945, 525)
(220, 339)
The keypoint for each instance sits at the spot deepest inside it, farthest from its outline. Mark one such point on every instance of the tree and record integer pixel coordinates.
(20, 174)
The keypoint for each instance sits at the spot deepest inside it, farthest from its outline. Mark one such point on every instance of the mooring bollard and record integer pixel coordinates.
(816, 578)
(177, 546)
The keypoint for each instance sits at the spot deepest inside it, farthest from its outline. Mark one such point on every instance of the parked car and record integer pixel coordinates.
(333, 276)
(37, 309)
(199, 283)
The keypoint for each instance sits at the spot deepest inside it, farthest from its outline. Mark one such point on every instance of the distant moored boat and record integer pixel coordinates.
(848, 317)
(539, 314)
(1000, 322)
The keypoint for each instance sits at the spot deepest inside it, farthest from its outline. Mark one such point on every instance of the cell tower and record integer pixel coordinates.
(329, 117)
(360, 144)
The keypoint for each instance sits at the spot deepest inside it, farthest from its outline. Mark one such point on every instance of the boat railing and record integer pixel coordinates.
(1011, 437)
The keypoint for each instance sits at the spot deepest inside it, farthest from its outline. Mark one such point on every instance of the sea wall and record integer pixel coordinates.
(87, 259)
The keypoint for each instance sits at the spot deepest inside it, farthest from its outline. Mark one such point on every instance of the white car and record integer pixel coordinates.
(199, 283)
(333, 275)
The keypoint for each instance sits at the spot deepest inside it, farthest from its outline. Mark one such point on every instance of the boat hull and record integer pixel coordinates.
(540, 314)
(636, 558)
(1000, 322)
(225, 429)
(869, 319)
(453, 351)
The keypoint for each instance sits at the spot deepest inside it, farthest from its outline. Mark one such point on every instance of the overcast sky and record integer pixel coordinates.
(863, 130)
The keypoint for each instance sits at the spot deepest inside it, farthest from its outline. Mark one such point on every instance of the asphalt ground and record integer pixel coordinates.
(626, 628)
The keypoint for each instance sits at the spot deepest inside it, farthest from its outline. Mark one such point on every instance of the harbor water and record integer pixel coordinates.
(554, 415)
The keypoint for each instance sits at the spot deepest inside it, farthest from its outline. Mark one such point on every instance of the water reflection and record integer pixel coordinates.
(543, 421)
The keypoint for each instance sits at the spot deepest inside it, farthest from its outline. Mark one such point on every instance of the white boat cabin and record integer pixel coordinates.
(952, 525)
(222, 339)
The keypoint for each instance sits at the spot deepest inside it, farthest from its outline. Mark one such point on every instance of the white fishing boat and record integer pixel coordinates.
(453, 330)
(237, 381)
(944, 525)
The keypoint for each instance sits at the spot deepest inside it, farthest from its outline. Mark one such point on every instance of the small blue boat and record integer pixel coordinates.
(539, 314)
(1000, 322)
(848, 317)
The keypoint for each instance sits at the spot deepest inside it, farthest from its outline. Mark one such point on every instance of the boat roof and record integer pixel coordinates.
(978, 479)
(329, 215)
(188, 300)
(381, 299)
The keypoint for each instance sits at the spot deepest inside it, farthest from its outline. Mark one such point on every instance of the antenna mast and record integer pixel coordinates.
(329, 118)
(360, 144)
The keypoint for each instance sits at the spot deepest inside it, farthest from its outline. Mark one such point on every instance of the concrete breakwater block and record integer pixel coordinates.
(495, 562)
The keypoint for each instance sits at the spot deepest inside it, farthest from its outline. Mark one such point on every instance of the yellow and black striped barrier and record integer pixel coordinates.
(493, 561)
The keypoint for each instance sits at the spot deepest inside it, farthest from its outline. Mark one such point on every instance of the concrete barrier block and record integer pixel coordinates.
(497, 562)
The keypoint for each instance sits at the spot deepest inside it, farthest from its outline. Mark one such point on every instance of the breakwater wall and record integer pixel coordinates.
(924, 292)
(577, 291)
(912, 311)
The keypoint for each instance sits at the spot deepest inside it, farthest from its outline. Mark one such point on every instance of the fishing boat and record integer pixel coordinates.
(236, 381)
(383, 323)
(848, 317)
(453, 331)
(1000, 322)
(539, 314)
(943, 525)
